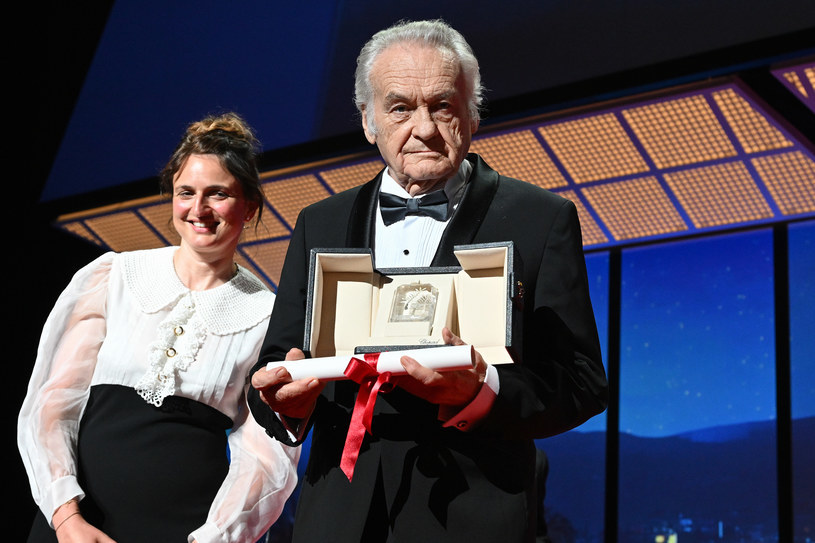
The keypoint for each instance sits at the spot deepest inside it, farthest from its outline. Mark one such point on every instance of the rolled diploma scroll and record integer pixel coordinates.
(448, 358)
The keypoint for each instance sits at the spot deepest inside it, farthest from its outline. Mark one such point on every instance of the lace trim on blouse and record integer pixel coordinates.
(166, 357)
(237, 305)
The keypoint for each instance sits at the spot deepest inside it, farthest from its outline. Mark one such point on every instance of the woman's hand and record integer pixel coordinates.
(77, 530)
(71, 527)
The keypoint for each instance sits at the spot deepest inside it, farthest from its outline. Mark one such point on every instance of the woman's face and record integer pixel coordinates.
(209, 208)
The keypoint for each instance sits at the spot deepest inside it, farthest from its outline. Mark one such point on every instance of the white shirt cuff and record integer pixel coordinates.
(62, 490)
(207, 533)
(469, 417)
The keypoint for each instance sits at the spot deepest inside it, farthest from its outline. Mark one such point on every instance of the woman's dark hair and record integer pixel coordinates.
(229, 138)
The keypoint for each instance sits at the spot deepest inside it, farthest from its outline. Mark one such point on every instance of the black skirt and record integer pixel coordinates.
(149, 473)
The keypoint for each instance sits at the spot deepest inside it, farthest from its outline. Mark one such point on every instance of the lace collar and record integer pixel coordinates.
(240, 303)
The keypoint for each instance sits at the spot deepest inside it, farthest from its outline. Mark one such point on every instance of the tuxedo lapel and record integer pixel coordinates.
(472, 209)
(363, 214)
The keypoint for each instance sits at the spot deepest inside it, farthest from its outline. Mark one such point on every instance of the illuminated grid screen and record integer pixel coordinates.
(800, 80)
(685, 163)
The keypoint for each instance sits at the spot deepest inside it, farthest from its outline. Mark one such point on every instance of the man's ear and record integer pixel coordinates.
(371, 137)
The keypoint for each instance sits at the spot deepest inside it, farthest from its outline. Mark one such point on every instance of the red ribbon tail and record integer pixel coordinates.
(370, 384)
(356, 430)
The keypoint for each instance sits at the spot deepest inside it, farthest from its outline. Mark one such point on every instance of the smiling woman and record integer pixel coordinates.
(209, 212)
(142, 370)
(214, 181)
(228, 138)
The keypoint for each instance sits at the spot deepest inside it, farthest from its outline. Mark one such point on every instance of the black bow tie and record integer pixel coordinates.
(394, 208)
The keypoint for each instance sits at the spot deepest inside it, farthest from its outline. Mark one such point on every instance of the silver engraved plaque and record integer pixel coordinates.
(414, 302)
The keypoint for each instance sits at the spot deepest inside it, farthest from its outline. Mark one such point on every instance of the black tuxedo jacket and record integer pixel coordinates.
(427, 482)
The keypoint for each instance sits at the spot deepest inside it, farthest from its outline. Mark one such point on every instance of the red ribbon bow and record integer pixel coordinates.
(370, 383)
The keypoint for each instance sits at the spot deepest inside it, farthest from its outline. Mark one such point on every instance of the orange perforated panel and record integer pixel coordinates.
(268, 258)
(796, 82)
(679, 132)
(519, 155)
(160, 217)
(289, 195)
(753, 130)
(124, 231)
(346, 177)
(77, 228)
(636, 208)
(720, 194)
(591, 231)
(594, 148)
(790, 178)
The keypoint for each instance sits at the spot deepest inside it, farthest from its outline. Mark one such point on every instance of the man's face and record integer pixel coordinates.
(420, 108)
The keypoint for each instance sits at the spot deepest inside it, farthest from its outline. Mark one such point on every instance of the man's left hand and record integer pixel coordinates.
(450, 388)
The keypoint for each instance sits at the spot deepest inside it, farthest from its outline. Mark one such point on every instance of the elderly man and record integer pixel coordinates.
(451, 455)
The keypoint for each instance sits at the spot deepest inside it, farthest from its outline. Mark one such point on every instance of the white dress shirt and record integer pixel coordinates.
(413, 242)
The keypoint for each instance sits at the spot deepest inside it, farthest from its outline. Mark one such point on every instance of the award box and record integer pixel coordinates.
(353, 308)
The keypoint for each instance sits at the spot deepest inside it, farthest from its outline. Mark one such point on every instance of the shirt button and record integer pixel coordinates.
(170, 352)
(462, 424)
(178, 330)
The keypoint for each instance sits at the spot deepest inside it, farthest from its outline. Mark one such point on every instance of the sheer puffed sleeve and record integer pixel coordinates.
(262, 475)
(58, 390)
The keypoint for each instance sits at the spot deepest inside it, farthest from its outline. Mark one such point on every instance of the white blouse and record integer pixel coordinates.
(126, 319)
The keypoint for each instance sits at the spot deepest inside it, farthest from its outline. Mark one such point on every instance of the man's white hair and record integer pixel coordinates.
(437, 34)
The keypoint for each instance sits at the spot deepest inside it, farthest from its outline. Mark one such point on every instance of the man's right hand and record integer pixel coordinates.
(292, 399)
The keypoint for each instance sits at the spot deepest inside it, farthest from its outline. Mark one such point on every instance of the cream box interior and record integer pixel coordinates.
(353, 307)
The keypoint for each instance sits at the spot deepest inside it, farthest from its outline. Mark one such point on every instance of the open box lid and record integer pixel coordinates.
(353, 307)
